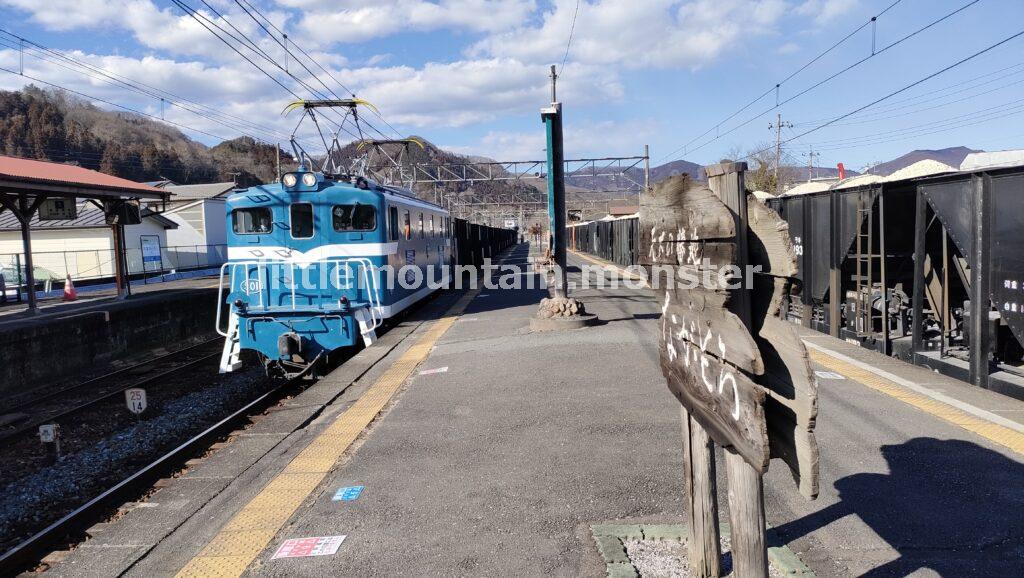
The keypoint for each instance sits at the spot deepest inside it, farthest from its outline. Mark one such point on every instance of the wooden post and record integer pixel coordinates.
(746, 518)
(701, 487)
(746, 491)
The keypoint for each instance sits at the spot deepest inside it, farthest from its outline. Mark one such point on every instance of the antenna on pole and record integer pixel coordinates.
(554, 83)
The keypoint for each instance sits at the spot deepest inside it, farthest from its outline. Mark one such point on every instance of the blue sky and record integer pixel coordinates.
(471, 75)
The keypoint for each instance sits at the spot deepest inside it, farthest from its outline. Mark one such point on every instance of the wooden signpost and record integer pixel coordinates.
(740, 373)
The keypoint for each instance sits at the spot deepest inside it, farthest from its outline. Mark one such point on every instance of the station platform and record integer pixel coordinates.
(66, 338)
(462, 443)
(89, 298)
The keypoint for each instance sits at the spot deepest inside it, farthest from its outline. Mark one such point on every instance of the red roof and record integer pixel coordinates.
(44, 172)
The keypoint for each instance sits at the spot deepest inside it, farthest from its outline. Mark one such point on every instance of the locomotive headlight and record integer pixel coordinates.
(309, 179)
(289, 180)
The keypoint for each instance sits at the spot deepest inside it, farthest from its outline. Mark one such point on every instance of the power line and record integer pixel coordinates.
(43, 53)
(983, 115)
(905, 88)
(253, 10)
(829, 78)
(572, 28)
(114, 104)
(246, 42)
(964, 86)
(778, 85)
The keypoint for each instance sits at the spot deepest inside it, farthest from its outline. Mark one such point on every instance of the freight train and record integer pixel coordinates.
(929, 269)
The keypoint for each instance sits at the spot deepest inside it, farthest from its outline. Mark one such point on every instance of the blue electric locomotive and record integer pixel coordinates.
(307, 270)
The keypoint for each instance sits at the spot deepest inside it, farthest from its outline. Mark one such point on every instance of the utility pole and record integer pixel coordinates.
(778, 126)
(552, 117)
(278, 162)
(810, 163)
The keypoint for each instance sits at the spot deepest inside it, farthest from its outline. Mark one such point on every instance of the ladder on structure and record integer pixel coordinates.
(865, 259)
(230, 358)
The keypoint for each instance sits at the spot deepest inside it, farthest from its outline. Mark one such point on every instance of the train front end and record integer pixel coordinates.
(300, 282)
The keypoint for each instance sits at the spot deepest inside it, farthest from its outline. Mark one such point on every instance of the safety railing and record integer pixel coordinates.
(364, 271)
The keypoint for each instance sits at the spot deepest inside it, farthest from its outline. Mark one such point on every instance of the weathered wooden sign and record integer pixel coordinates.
(723, 265)
(750, 386)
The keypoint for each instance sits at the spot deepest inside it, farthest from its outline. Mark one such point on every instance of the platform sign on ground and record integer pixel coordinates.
(435, 370)
(303, 547)
(135, 399)
(828, 375)
(347, 494)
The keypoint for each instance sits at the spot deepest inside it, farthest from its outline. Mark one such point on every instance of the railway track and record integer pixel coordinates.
(31, 549)
(60, 403)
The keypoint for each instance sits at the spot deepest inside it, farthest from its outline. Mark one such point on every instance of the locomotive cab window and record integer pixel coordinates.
(255, 221)
(408, 226)
(431, 225)
(354, 218)
(421, 225)
(393, 223)
(302, 220)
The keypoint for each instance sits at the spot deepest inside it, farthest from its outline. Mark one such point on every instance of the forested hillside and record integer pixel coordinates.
(49, 125)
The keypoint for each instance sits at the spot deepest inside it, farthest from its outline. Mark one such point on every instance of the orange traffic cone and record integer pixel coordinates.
(69, 290)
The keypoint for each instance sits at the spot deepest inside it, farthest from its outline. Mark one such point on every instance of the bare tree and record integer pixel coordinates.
(762, 174)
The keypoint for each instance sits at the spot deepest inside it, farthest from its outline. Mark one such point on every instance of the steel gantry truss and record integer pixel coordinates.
(592, 183)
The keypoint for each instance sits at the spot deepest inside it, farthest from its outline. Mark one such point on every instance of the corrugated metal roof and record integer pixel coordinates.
(202, 191)
(89, 217)
(44, 172)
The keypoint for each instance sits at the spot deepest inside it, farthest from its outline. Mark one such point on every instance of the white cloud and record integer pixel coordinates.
(582, 139)
(788, 48)
(167, 29)
(639, 33)
(348, 21)
(824, 11)
(472, 91)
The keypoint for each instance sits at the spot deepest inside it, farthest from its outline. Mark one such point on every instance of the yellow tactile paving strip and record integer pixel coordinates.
(618, 269)
(249, 532)
(995, 433)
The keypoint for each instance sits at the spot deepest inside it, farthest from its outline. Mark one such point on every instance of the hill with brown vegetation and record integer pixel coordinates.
(54, 126)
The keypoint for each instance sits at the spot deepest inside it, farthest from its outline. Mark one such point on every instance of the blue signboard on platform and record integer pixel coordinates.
(347, 494)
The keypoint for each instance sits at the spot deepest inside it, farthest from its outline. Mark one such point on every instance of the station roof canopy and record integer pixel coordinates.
(42, 178)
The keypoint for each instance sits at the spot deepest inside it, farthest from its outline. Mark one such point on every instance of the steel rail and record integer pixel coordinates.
(54, 393)
(33, 424)
(29, 551)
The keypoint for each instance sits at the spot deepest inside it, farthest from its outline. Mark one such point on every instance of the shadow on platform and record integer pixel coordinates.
(951, 506)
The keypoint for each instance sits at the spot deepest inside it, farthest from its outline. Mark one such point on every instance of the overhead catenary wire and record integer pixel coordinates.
(963, 86)
(836, 75)
(203, 20)
(778, 85)
(234, 123)
(114, 104)
(918, 82)
(572, 29)
(255, 10)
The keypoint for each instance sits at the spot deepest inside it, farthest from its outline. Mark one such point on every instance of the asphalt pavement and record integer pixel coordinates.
(506, 446)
